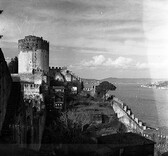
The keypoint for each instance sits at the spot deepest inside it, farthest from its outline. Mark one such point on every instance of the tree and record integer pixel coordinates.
(73, 119)
(103, 88)
(74, 124)
(13, 65)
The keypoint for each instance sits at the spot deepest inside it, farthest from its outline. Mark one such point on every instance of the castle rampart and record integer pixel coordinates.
(68, 75)
(126, 116)
(30, 89)
(133, 124)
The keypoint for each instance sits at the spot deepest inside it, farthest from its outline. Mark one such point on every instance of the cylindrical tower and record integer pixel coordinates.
(33, 55)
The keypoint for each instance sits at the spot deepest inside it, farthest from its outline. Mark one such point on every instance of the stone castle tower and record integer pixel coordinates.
(33, 55)
(33, 67)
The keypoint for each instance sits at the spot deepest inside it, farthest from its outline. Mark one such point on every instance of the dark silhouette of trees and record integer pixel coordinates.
(104, 87)
(1, 13)
(56, 82)
(13, 65)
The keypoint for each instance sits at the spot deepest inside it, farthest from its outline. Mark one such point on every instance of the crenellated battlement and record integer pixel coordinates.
(123, 110)
(32, 91)
(35, 71)
(32, 43)
(56, 68)
(69, 75)
(28, 85)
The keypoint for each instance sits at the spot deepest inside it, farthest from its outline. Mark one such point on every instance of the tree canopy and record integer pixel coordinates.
(104, 87)
(13, 65)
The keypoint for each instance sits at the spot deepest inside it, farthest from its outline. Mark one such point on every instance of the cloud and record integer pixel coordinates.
(153, 65)
(96, 61)
(101, 61)
(120, 62)
(72, 19)
(142, 65)
(81, 28)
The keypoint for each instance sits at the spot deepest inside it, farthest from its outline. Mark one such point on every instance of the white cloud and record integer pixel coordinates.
(101, 61)
(153, 65)
(142, 65)
(96, 61)
(120, 62)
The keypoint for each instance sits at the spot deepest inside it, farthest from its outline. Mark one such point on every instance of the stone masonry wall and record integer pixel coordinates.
(33, 54)
(126, 117)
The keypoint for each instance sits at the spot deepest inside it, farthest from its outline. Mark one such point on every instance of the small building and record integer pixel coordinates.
(90, 86)
(58, 96)
(125, 144)
(74, 90)
(60, 76)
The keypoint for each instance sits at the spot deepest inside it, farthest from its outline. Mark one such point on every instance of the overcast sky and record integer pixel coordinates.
(94, 38)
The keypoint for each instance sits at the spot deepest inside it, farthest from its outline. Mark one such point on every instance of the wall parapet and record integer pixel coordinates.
(58, 68)
(32, 43)
(38, 71)
(124, 108)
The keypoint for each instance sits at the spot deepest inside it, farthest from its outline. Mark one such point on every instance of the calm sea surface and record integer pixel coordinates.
(149, 105)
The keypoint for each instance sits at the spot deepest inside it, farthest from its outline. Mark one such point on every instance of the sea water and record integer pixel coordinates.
(149, 105)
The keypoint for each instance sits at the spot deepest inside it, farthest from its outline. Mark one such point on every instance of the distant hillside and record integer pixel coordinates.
(89, 80)
(124, 80)
(157, 85)
(128, 80)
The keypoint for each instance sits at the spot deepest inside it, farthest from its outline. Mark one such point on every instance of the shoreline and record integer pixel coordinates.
(154, 87)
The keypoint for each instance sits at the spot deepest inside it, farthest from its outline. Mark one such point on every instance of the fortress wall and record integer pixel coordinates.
(53, 70)
(68, 75)
(126, 119)
(118, 110)
(32, 78)
(31, 89)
